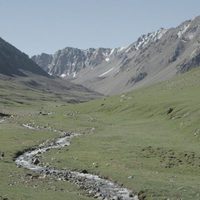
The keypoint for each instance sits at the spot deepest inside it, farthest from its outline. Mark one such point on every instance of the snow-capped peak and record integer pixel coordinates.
(146, 39)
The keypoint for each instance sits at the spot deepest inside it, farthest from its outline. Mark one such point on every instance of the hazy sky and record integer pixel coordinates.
(36, 26)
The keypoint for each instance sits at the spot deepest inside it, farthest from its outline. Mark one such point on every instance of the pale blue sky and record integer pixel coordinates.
(36, 26)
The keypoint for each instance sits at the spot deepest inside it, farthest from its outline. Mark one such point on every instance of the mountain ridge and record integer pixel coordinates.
(13, 62)
(152, 58)
(90, 57)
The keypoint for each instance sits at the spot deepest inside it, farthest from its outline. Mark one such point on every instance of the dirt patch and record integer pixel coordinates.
(170, 158)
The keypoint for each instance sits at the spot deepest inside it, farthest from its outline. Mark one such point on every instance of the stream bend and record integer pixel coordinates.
(94, 185)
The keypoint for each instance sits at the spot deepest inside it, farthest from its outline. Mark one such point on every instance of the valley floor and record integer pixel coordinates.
(147, 140)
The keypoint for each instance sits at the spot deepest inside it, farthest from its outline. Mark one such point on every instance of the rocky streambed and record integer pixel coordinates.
(94, 185)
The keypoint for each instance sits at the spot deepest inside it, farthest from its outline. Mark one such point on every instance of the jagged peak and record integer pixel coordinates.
(146, 39)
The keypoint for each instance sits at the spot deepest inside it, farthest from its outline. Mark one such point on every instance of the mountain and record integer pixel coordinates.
(69, 61)
(154, 57)
(14, 62)
(19, 75)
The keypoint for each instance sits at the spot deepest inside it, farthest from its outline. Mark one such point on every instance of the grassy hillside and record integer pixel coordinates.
(37, 90)
(137, 141)
(147, 140)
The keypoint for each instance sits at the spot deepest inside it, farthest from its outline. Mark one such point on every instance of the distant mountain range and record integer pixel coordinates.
(152, 58)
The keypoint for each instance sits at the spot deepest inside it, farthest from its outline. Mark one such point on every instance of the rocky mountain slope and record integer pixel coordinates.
(14, 62)
(69, 61)
(152, 58)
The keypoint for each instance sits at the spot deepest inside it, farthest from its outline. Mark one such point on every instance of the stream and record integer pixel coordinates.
(94, 185)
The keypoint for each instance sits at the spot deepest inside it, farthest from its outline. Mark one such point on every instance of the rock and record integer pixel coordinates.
(141, 195)
(4, 115)
(2, 154)
(84, 171)
(97, 195)
(36, 161)
(131, 194)
(170, 110)
(36, 176)
(140, 76)
(135, 197)
(116, 198)
(92, 130)
(197, 132)
(94, 164)
(47, 172)
(28, 175)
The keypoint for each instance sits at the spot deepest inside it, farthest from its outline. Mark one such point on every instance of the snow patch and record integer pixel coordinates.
(106, 72)
(74, 75)
(28, 126)
(121, 49)
(144, 40)
(107, 59)
(183, 30)
(63, 75)
(112, 51)
(128, 49)
(161, 32)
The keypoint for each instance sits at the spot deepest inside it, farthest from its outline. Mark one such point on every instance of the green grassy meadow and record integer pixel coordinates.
(148, 140)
